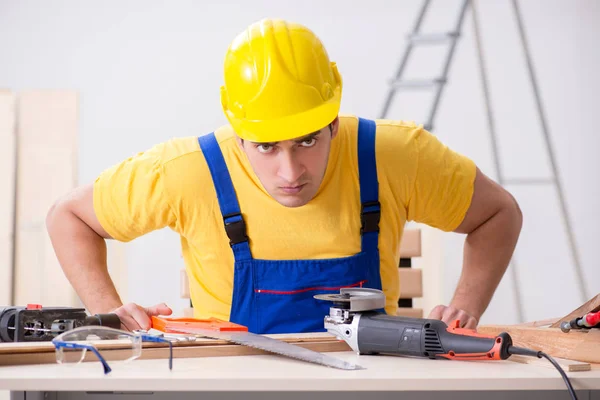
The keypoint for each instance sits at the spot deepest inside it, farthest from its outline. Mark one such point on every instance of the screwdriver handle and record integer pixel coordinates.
(110, 320)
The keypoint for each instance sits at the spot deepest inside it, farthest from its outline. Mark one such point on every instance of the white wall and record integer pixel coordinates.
(150, 70)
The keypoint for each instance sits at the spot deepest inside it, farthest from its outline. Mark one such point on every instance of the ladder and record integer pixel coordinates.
(415, 38)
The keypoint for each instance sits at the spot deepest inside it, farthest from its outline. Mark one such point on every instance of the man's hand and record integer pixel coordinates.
(135, 317)
(450, 314)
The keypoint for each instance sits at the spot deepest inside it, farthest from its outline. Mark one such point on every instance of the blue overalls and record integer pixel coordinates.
(276, 296)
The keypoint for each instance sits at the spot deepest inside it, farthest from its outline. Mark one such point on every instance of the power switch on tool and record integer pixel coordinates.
(411, 341)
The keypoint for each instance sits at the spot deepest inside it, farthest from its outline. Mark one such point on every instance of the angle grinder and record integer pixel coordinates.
(355, 317)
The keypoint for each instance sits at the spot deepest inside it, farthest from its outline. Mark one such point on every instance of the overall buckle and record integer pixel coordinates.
(236, 230)
(370, 215)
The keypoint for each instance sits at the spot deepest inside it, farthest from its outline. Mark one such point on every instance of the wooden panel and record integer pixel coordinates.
(410, 246)
(575, 345)
(411, 283)
(47, 136)
(43, 352)
(540, 323)
(224, 350)
(7, 193)
(567, 365)
(410, 312)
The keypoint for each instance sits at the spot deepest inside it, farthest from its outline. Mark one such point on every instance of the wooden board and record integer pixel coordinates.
(540, 323)
(567, 365)
(583, 345)
(7, 193)
(591, 305)
(43, 352)
(47, 165)
(411, 283)
(45, 346)
(227, 350)
(410, 246)
(410, 312)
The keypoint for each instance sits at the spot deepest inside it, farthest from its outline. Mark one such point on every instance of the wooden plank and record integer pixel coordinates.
(410, 246)
(540, 323)
(43, 352)
(410, 312)
(37, 347)
(591, 305)
(162, 352)
(411, 283)
(567, 365)
(583, 345)
(7, 193)
(47, 150)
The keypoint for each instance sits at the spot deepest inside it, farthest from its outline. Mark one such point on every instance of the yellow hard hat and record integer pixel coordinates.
(279, 82)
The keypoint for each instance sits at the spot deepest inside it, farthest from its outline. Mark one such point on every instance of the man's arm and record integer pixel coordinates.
(79, 243)
(492, 224)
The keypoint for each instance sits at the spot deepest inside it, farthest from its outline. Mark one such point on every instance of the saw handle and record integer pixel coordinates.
(170, 325)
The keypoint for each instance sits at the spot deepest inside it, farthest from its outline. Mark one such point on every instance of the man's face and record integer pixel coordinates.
(291, 171)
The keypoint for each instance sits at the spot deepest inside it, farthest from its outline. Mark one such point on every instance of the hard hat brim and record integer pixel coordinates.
(287, 128)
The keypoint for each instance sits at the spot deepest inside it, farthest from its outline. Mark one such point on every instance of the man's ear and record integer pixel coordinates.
(335, 126)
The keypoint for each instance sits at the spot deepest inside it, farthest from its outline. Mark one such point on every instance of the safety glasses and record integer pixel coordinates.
(71, 346)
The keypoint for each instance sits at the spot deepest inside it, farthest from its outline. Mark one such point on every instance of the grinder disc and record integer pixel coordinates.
(355, 299)
(339, 300)
(333, 297)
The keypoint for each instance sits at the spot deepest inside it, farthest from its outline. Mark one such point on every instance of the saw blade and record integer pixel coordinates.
(273, 346)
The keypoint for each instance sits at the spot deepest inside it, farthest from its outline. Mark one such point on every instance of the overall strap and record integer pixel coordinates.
(369, 186)
(235, 227)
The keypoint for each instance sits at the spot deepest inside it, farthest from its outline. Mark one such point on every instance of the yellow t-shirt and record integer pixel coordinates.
(420, 179)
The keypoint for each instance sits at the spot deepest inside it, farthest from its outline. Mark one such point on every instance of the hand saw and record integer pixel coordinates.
(214, 328)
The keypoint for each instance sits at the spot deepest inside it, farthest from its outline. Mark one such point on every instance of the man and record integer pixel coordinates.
(287, 201)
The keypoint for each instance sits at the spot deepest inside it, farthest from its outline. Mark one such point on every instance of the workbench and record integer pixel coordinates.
(265, 377)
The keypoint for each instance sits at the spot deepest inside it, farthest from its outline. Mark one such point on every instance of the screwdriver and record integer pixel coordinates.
(590, 320)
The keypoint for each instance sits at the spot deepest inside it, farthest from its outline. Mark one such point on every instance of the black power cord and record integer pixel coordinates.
(540, 354)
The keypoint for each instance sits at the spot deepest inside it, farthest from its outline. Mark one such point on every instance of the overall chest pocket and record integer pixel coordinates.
(284, 292)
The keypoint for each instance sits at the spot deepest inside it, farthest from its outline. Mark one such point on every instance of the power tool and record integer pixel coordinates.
(588, 321)
(357, 317)
(34, 323)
